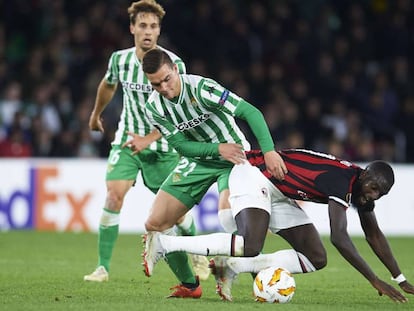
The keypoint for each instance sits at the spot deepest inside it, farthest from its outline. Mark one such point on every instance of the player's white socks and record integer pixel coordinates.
(187, 225)
(227, 221)
(288, 259)
(109, 218)
(210, 244)
(187, 222)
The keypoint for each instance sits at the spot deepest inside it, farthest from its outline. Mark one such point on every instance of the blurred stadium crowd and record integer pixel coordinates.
(334, 76)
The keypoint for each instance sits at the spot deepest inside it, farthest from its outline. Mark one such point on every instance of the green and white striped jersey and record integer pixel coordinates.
(125, 68)
(204, 112)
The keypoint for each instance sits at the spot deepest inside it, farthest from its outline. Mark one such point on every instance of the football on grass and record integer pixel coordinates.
(274, 285)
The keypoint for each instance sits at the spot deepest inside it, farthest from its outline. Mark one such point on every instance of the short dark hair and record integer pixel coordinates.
(154, 59)
(382, 172)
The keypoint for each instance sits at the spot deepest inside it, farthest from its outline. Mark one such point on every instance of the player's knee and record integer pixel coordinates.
(153, 226)
(319, 261)
(252, 249)
(114, 201)
(251, 252)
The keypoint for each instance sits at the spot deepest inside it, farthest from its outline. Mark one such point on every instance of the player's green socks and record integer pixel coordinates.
(180, 266)
(187, 226)
(108, 234)
(179, 263)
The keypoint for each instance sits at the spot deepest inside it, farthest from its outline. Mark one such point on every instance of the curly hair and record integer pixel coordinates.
(145, 6)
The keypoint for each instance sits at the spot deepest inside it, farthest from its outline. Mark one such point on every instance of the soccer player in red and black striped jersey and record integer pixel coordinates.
(260, 202)
(317, 177)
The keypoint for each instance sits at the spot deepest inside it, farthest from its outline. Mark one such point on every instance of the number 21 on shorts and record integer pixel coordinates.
(184, 167)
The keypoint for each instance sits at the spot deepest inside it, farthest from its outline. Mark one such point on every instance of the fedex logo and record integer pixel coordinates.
(34, 203)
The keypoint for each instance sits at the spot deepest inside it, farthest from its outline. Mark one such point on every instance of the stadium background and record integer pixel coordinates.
(335, 76)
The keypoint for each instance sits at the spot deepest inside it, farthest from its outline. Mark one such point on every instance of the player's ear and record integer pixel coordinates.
(131, 28)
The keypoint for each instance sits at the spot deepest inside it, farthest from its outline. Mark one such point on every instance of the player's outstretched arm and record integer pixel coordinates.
(379, 244)
(341, 240)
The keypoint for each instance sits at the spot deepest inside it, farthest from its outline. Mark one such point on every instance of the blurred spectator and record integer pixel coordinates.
(44, 107)
(10, 103)
(14, 145)
(406, 121)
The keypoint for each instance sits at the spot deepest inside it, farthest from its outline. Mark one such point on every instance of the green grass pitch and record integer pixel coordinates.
(44, 271)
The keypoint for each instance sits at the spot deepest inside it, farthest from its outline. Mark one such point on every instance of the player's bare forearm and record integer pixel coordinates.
(103, 97)
(383, 251)
(378, 242)
(341, 240)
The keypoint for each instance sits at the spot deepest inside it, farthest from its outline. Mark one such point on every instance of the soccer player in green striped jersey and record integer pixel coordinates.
(124, 164)
(197, 117)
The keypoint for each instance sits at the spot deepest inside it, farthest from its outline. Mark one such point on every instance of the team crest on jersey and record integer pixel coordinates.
(193, 102)
(176, 177)
(109, 168)
(166, 115)
(303, 195)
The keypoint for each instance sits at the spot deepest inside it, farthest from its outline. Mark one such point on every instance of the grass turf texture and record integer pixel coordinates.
(44, 271)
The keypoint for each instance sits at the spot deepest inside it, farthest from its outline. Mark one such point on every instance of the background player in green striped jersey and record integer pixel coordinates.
(197, 117)
(123, 163)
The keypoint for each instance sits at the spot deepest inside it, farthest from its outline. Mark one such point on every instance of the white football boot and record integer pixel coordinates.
(224, 276)
(200, 266)
(153, 251)
(99, 275)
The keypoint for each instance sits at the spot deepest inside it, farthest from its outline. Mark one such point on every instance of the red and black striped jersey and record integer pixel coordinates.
(312, 176)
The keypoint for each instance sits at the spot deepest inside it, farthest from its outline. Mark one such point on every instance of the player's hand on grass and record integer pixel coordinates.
(232, 152)
(407, 287)
(386, 289)
(275, 164)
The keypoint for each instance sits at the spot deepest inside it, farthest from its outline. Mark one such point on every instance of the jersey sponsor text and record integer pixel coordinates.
(146, 88)
(193, 123)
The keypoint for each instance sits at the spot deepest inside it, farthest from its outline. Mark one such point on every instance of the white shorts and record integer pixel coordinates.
(250, 188)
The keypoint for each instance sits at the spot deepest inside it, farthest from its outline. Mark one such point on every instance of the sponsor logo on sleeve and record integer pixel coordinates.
(224, 97)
